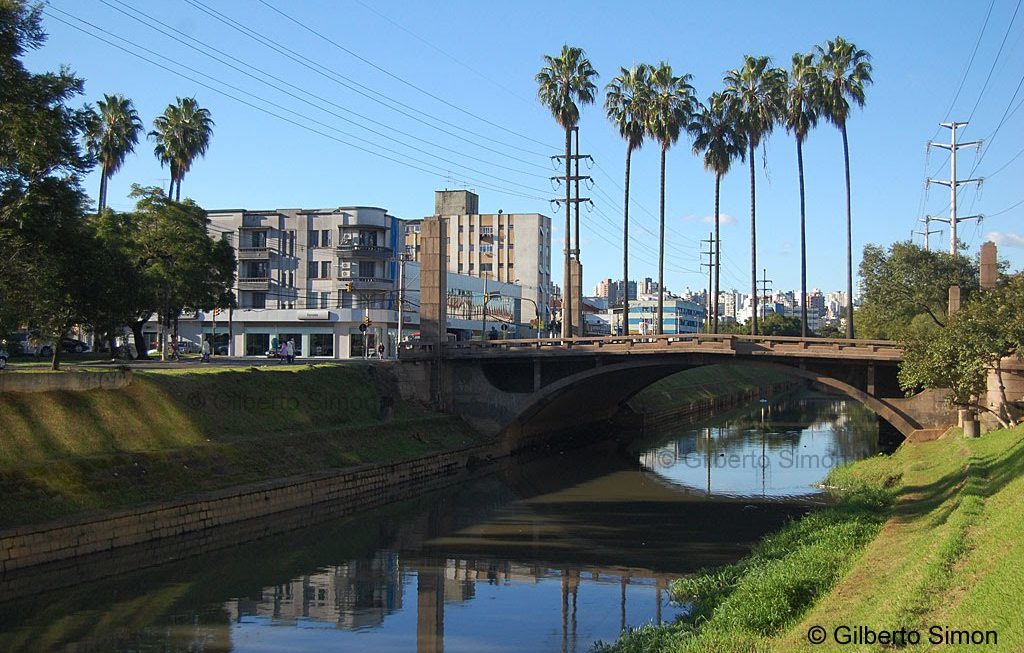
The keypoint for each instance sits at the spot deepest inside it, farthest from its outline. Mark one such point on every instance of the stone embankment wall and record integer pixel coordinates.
(347, 491)
(76, 381)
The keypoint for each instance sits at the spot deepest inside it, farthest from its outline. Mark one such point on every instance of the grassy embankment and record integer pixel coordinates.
(930, 536)
(174, 433)
(704, 383)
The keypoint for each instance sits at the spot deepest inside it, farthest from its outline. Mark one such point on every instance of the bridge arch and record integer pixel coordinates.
(599, 393)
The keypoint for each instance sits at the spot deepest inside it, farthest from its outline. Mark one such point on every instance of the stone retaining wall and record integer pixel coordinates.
(346, 491)
(70, 381)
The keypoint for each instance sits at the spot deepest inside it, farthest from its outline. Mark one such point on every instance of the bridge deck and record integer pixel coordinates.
(704, 343)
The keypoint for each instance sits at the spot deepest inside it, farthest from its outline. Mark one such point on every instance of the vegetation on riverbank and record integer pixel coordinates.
(704, 383)
(173, 433)
(930, 536)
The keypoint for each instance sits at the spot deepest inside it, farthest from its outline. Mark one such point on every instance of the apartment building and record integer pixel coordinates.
(503, 247)
(678, 316)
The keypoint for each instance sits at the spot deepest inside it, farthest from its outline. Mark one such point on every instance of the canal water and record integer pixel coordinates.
(551, 555)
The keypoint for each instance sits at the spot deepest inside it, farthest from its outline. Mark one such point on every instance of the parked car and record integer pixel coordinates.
(71, 345)
(31, 346)
(3, 358)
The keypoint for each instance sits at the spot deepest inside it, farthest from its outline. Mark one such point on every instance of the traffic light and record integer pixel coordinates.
(348, 286)
(367, 321)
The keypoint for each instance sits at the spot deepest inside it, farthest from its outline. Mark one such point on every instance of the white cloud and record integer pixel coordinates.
(1005, 240)
(724, 218)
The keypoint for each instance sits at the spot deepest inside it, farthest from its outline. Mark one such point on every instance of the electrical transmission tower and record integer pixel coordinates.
(712, 315)
(953, 184)
(926, 232)
(572, 314)
(765, 289)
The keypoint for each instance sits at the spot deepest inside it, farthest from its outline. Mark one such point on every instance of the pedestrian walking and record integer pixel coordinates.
(380, 351)
(283, 352)
(291, 351)
(206, 351)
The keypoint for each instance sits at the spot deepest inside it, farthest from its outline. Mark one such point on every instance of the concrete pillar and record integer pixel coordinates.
(536, 375)
(577, 296)
(954, 299)
(871, 379)
(433, 280)
(430, 609)
(989, 265)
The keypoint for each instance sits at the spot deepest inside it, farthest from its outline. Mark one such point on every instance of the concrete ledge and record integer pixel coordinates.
(67, 381)
(350, 490)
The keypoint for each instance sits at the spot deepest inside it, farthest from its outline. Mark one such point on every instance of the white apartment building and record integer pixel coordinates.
(503, 247)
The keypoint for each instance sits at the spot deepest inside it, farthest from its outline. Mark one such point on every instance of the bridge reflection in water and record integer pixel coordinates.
(546, 556)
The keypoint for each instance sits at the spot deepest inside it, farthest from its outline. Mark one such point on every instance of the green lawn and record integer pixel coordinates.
(172, 433)
(930, 536)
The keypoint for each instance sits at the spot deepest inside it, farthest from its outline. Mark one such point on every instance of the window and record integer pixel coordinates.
(257, 344)
(325, 299)
(472, 248)
(344, 299)
(325, 238)
(367, 269)
(258, 300)
(314, 238)
(486, 249)
(291, 243)
(321, 344)
(486, 267)
(259, 239)
(325, 269)
(291, 278)
(313, 269)
(363, 344)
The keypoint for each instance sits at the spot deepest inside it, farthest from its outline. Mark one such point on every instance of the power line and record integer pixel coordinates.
(396, 77)
(306, 92)
(274, 115)
(994, 61)
(352, 85)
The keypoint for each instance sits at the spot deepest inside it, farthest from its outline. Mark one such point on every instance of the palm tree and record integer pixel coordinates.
(561, 83)
(757, 90)
(182, 133)
(718, 133)
(845, 71)
(626, 105)
(672, 103)
(112, 137)
(802, 108)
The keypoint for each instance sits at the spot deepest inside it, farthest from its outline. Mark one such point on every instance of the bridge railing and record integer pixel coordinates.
(718, 343)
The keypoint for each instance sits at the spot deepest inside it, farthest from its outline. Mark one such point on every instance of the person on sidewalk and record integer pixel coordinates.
(206, 351)
(284, 352)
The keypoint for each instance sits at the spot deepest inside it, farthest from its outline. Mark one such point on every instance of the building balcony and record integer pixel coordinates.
(364, 283)
(253, 253)
(357, 250)
(254, 283)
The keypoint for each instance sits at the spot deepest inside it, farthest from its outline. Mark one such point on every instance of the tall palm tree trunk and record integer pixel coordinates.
(718, 253)
(625, 249)
(661, 248)
(102, 201)
(753, 248)
(177, 192)
(849, 237)
(567, 291)
(803, 238)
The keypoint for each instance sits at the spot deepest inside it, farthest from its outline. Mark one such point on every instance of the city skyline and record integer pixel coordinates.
(259, 160)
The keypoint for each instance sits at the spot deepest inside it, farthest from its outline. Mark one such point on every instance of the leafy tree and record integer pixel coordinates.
(627, 106)
(44, 278)
(563, 82)
(112, 137)
(758, 90)
(906, 282)
(181, 266)
(986, 330)
(182, 134)
(845, 71)
(776, 324)
(717, 132)
(672, 104)
(803, 103)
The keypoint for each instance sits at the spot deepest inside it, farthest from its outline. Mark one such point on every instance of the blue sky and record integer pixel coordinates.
(463, 75)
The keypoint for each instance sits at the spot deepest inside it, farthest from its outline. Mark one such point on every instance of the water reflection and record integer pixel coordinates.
(547, 556)
(776, 450)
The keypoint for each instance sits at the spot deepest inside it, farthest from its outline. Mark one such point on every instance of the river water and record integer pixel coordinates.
(551, 555)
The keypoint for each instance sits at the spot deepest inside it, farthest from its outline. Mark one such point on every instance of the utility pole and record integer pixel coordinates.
(401, 299)
(953, 182)
(710, 253)
(571, 199)
(483, 329)
(764, 281)
(926, 232)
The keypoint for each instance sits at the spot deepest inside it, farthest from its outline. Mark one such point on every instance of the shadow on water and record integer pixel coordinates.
(549, 555)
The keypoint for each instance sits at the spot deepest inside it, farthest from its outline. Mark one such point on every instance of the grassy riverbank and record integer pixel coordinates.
(173, 433)
(930, 536)
(704, 383)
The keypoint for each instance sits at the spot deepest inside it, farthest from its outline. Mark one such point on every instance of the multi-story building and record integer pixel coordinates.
(505, 247)
(604, 289)
(624, 289)
(327, 280)
(678, 316)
